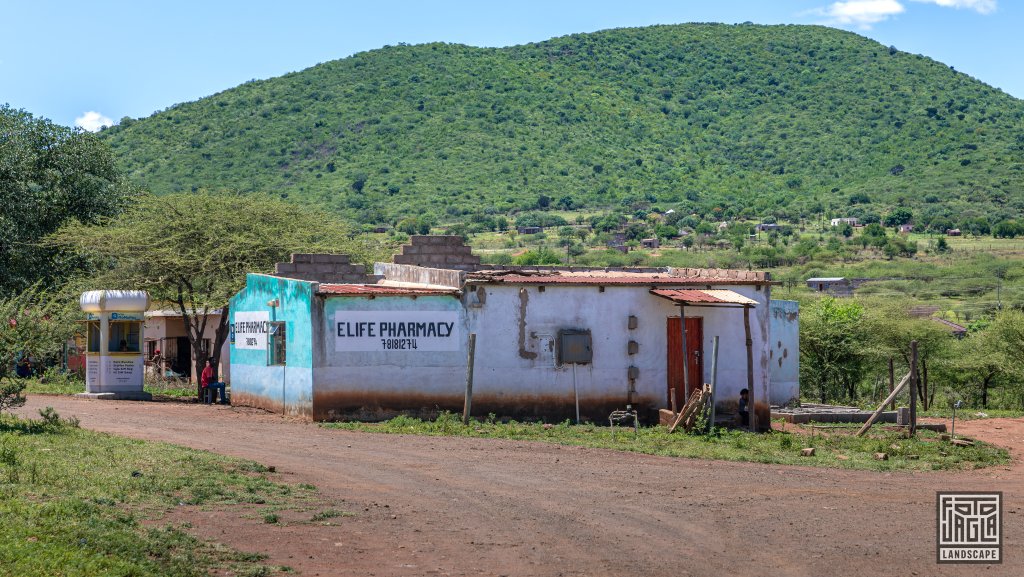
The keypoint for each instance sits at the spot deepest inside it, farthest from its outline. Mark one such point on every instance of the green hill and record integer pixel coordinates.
(743, 120)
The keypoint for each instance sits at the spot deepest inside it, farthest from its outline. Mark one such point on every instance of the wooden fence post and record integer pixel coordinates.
(892, 383)
(913, 388)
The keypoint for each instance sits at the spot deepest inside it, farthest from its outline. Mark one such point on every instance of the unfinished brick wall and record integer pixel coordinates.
(438, 251)
(325, 268)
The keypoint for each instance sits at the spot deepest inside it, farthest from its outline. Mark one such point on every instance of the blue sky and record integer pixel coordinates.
(65, 59)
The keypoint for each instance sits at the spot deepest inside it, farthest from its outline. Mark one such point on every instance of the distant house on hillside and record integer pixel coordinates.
(529, 229)
(723, 225)
(841, 221)
(650, 243)
(953, 232)
(834, 286)
(766, 227)
(906, 228)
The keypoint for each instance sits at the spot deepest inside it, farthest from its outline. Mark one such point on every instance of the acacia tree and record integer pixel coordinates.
(192, 251)
(1006, 334)
(49, 174)
(977, 366)
(892, 329)
(832, 351)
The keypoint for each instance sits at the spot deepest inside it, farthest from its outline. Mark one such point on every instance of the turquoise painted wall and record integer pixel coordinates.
(785, 352)
(374, 384)
(253, 381)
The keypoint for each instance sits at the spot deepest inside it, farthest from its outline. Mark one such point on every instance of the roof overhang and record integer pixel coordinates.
(703, 298)
(377, 290)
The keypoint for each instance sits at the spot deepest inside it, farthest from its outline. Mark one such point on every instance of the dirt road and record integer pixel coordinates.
(451, 506)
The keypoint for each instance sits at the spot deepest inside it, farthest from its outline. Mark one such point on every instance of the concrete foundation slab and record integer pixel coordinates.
(123, 396)
(829, 414)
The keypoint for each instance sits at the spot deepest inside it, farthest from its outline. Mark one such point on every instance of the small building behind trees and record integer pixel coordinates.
(834, 286)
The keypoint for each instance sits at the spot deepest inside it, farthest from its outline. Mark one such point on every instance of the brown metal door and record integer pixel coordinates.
(695, 352)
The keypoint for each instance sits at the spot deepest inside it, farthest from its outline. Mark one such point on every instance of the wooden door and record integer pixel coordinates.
(695, 352)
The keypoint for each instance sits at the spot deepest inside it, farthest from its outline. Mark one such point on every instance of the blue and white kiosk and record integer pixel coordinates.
(114, 335)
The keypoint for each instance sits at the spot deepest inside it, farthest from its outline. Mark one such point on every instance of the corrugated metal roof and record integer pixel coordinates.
(613, 279)
(827, 279)
(704, 297)
(380, 290)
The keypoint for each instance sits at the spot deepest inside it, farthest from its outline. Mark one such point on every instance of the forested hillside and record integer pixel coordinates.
(728, 121)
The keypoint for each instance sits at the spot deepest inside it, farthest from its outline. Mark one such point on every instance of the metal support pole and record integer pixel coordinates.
(467, 406)
(576, 393)
(714, 380)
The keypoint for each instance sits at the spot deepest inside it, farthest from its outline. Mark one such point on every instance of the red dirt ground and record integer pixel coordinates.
(457, 506)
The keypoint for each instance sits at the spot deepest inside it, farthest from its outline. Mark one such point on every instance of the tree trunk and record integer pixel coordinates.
(984, 390)
(220, 336)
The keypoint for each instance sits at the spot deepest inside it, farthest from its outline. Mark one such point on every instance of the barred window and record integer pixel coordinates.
(277, 349)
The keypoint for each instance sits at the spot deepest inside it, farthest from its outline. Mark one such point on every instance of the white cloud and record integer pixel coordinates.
(862, 13)
(92, 121)
(979, 6)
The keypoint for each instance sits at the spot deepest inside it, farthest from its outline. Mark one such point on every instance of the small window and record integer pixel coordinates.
(277, 347)
(124, 337)
(93, 329)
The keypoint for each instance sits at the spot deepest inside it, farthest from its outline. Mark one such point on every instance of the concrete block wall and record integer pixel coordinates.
(324, 268)
(438, 251)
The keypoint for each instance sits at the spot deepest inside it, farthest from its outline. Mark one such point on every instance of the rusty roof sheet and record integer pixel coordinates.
(704, 297)
(609, 279)
(664, 277)
(369, 290)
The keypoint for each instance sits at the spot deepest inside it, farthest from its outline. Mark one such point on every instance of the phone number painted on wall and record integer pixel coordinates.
(411, 331)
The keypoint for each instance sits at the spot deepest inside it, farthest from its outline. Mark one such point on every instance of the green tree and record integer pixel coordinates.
(899, 216)
(892, 329)
(832, 348)
(33, 324)
(192, 251)
(49, 175)
(538, 256)
(1007, 338)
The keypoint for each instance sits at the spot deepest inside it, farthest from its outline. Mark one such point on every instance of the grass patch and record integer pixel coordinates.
(971, 414)
(56, 382)
(329, 514)
(927, 452)
(72, 501)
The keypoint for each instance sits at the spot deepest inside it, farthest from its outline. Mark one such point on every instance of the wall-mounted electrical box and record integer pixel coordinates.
(574, 347)
(632, 347)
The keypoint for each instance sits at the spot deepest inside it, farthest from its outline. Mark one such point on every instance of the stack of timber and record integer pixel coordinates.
(694, 407)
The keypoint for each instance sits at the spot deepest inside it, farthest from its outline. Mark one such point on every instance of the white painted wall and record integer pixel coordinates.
(501, 370)
(168, 327)
(409, 380)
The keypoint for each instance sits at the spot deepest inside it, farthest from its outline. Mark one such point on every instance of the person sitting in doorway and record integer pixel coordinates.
(744, 410)
(211, 388)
